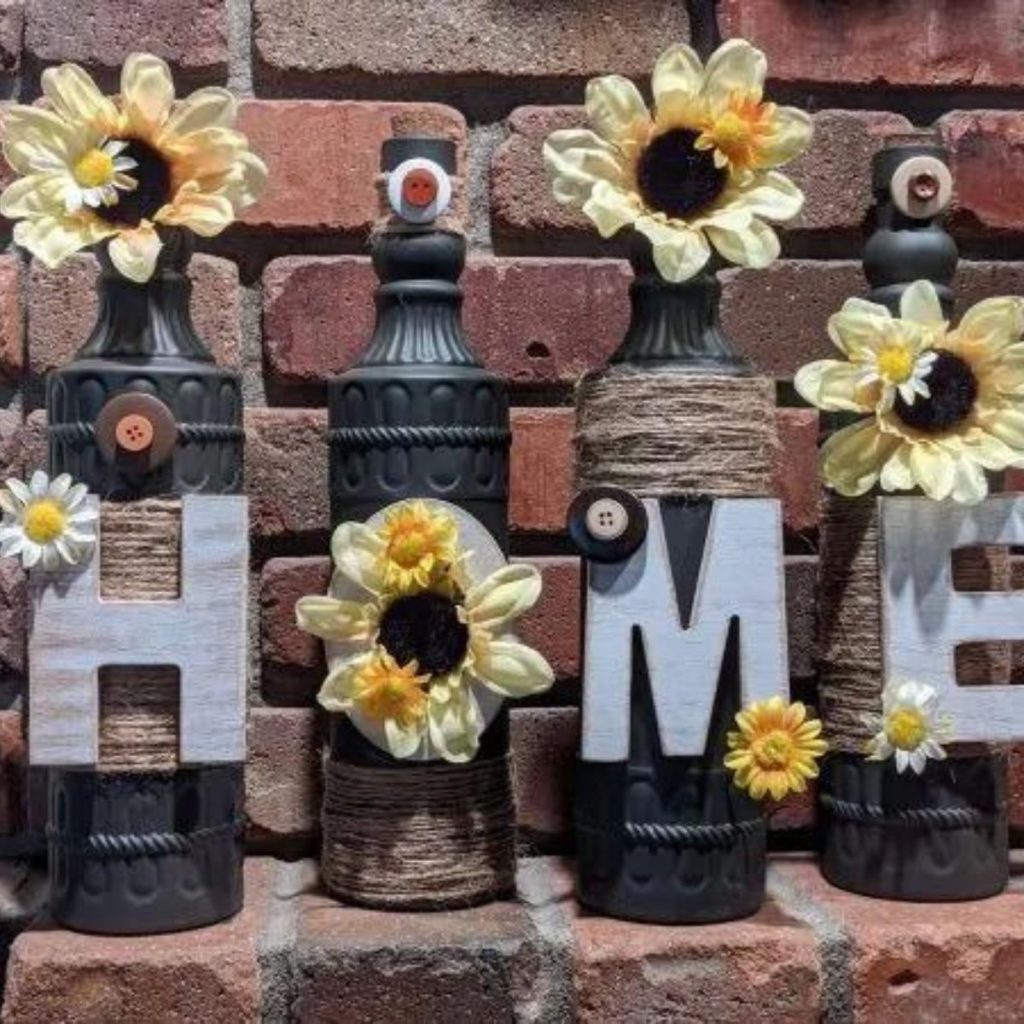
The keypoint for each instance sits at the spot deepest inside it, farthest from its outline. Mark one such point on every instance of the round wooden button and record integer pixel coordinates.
(136, 427)
(921, 187)
(419, 187)
(607, 524)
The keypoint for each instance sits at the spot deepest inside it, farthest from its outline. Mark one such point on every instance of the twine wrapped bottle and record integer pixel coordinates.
(676, 416)
(941, 835)
(418, 417)
(141, 844)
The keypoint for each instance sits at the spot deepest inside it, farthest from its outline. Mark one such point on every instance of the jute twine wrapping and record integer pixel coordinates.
(661, 432)
(139, 561)
(850, 661)
(388, 221)
(419, 838)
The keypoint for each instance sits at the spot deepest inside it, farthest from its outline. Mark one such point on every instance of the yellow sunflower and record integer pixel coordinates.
(698, 173)
(776, 749)
(942, 405)
(447, 630)
(93, 167)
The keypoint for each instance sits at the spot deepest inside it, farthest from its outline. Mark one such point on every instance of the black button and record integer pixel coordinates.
(607, 524)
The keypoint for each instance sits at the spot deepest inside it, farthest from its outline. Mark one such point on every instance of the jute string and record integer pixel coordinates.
(422, 838)
(850, 660)
(667, 432)
(139, 561)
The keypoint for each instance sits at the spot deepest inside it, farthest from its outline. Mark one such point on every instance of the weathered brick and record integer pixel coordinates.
(13, 772)
(62, 309)
(835, 175)
(13, 617)
(798, 812)
(796, 471)
(880, 44)
(542, 469)
(56, 975)
(282, 778)
(987, 150)
(506, 315)
(553, 624)
(27, 449)
(323, 156)
(801, 613)
(910, 962)
(364, 42)
(190, 34)
(12, 327)
(462, 966)
(761, 970)
(286, 471)
(544, 746)
(12, 24)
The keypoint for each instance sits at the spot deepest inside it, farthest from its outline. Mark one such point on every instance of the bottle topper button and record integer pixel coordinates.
(138, 429)
(921, 187)
(607, 524)
(134, 433)
(419, 190)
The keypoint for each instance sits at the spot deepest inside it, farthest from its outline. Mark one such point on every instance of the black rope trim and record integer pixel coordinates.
(115, 846)
(704, 837)
(80, 435)
(420, 437)
(944, 818)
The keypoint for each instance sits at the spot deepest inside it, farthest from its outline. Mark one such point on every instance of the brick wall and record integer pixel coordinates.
(285, 297)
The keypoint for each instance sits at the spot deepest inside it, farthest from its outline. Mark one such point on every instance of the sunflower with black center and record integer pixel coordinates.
(699, 172)
(419, 638)
(942, 405)
(94, 168)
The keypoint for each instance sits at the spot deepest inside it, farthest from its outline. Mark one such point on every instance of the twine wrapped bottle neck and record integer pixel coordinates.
(152, 319)
(675, 325)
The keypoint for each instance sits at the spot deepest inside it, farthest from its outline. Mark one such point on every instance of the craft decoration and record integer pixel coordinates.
(417, 630)
(137, 689)
(911, 812)
(676, 441)
(46, 523)
(419, 434)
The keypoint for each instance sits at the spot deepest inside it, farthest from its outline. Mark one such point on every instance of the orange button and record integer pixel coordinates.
(419, 188)
(134, 433)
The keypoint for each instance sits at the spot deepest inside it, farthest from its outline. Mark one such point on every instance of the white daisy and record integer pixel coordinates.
(93, 176)
(46, 521)
(910, 728)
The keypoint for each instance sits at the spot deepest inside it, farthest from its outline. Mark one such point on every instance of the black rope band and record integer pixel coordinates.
(117, 846)
(80, 435)
(420, 437)
(704, 837)
(944, 818)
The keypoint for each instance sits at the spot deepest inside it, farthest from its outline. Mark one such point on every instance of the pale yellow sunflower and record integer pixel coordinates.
(447, 630)
(92, 167)
(776, 748)
(697, 173)
(942, 405)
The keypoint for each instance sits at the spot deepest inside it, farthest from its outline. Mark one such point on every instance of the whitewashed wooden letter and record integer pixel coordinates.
(75, 632)
(740, 577)
(924, 618)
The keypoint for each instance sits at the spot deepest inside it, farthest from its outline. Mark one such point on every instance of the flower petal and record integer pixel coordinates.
(756, 245)
(134, 252)
(770, 194)
(358, 554)
(147, 92)
(933, 468)
(990, 325)
(212, 107)
(852, 458)
(792, 131)
(403, 743)
(205, 214)
(735, 67)
(833, 385)
(611, 209)
(503, 596)
(920, 303)
(511, 668)
(338, 690)
(679, 252)
(615, 108)
(77, 98)
(576, 159)
(858, 325)
(455, 724)
(331, 619)
(678, 71)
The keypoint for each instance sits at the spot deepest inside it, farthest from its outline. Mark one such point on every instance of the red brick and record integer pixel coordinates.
(13, 617)
(190, 34)
(553, 625)
(910, 962)
(282, 778)
(507, 316)
(796, 471)
(12, 326)
(835, 175)
(762, 970)
(366, 42)
(28, 448)
(542, 469)
(12, 24)
(462, 966)
(210, 974)
(62, 309)
(545, 742)
(323, 157)
(798, 812)
(987, 149)
(801, 613)
(881, 44)
(286, 471)
(13, 764)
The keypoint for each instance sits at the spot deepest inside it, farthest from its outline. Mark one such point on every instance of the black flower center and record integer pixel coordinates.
(954, 389)
(154, 187)
(676, 178)
(426, 628)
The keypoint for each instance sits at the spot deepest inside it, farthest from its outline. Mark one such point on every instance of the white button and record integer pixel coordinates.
(607, 519)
